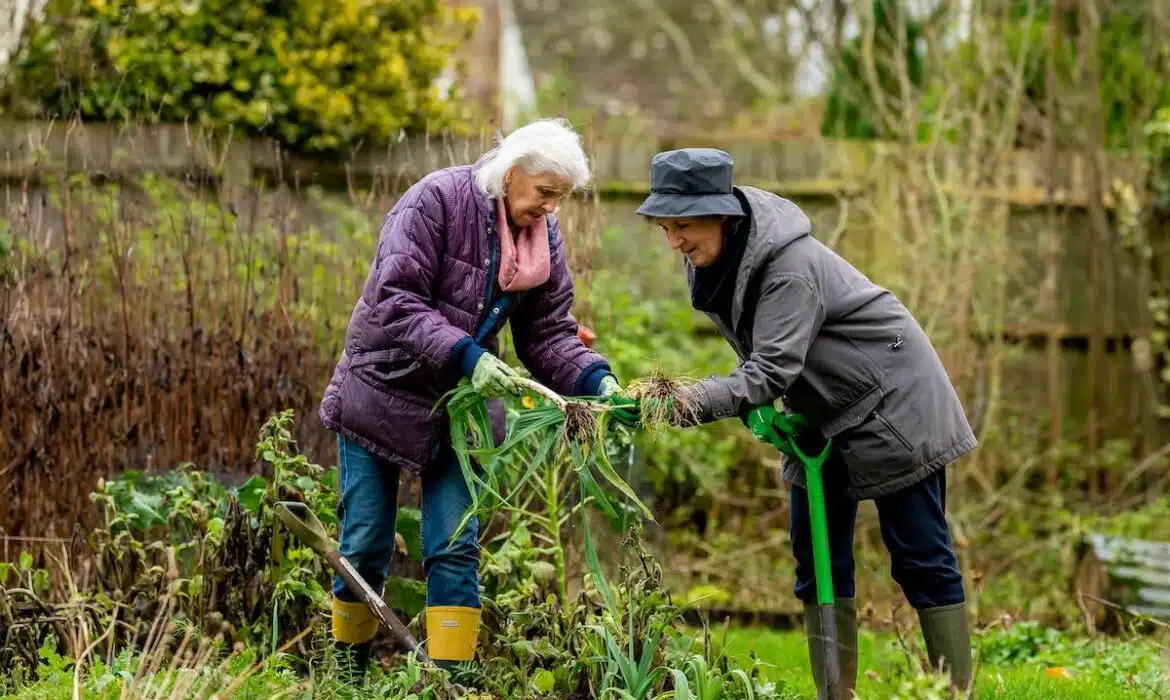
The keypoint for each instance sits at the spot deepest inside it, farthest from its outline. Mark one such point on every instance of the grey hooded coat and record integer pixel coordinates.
(812, 330)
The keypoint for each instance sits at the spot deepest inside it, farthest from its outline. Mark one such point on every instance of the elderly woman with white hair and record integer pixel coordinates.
(465, 250)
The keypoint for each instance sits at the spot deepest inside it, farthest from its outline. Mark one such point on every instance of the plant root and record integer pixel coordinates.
(665, 401)
(581, 424)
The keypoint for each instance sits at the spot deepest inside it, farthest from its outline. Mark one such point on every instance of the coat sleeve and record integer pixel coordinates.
(545, 332)
(788, 316)
(410, 249)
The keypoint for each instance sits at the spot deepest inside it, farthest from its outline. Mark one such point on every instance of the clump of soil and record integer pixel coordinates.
(581, 424)
(664, 400)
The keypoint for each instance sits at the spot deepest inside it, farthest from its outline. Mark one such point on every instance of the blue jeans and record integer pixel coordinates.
(914, 530)
(368, 511)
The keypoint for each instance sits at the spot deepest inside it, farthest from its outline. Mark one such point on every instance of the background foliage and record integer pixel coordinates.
(154, 321)
(318, 75)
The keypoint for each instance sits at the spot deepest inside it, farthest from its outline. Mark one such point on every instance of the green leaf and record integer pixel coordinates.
(542, 571)
(593, 489)
(682, 689)
(146, 507)
(602, 461)
(594, 565)
(26, 561)
(275, 623)
(406, 595)
(409, 525)
(743, 678)
(331, 481)
(543, 681)
(215, 529)
(251, 493)
(40, 581)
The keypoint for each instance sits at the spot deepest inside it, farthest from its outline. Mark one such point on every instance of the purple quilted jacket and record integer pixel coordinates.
(428, 291)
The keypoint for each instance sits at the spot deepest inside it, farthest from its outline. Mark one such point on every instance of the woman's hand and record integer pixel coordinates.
(493, 378)
(625, 410)
(775, 428)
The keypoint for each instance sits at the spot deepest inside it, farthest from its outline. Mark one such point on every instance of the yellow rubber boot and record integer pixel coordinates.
(452, 633)
(354, 627)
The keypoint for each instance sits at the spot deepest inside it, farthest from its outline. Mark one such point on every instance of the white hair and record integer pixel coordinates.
(544, 146)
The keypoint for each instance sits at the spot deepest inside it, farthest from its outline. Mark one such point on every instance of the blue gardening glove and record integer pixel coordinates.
(626, 410)
(493, 378)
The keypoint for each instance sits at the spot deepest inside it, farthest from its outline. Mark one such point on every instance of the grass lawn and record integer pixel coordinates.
(1032, 664)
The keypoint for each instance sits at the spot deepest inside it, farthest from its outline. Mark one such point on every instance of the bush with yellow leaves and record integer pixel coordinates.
(318, 75)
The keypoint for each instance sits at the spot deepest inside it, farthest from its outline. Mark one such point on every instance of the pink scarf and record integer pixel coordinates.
(524, 258)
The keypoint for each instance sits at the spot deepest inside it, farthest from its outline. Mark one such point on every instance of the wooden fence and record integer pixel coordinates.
(1048, 353)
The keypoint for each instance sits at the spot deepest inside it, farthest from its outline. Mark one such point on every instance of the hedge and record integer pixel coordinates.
(319, 75)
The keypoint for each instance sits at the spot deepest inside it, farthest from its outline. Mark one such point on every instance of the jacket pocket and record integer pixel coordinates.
(893, 431)
(380, 367)
(397, 371)
(838, 387)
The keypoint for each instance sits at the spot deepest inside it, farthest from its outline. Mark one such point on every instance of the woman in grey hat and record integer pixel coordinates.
(814, 332)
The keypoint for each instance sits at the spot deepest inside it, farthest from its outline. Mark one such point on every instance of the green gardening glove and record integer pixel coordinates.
(626, 410)
(493, 378)
(761, 421)
(775, 428)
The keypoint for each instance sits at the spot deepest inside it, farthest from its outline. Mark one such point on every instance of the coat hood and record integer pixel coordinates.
(775, 223)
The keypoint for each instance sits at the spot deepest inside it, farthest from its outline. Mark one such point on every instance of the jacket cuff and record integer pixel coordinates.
(466, 355)
(712, 400)
(589, 381)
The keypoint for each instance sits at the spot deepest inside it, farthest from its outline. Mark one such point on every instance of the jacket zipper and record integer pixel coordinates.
(493, 263)
(892, 429)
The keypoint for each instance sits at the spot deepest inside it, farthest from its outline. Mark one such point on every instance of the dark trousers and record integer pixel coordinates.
(914, 530)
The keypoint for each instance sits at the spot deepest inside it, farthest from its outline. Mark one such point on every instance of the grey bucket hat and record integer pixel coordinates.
(691, 182)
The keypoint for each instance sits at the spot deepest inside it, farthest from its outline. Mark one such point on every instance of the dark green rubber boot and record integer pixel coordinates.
(846, 645)
(948, 642)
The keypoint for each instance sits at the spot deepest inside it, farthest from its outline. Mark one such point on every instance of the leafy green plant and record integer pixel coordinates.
(629, 673)
(315, 74)
(215, 548)
(1021, 642)
(531, 473)
(1126, 663)
(710, 683)
(25, 575)
(645, 324)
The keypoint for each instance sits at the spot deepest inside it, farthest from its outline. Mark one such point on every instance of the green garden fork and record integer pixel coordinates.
(786, 427)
